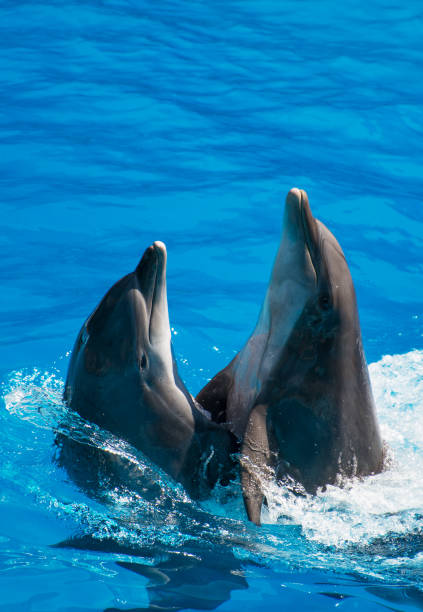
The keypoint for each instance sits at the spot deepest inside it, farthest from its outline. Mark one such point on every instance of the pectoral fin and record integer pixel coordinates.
(255, 462)
(214, 395)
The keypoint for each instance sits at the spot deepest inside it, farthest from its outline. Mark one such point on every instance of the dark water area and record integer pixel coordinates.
(127, 122)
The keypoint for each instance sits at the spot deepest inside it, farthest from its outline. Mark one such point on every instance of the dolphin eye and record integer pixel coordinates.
(143, 361)
(324, 301)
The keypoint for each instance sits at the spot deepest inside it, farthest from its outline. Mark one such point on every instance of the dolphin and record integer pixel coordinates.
(123, 377)
(298, 396)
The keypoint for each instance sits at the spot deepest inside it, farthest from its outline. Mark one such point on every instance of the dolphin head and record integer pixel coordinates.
(317, 389)
(298, 395)
(129, 329)
(309, 292)
(122, 374)
(334, 295)
(123, 377)
(310, 282)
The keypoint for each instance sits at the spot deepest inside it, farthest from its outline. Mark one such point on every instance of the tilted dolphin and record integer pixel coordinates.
(123, 377)
(298, 394)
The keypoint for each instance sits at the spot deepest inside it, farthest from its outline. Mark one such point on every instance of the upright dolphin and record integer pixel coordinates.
(123, 377)
(298, 394)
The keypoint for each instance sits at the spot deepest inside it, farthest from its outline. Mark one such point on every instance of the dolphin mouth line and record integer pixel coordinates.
(155, 289)
(153, 297)
(311, 247)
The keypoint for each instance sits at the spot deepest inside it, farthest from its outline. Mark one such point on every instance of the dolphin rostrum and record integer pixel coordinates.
(298, 394)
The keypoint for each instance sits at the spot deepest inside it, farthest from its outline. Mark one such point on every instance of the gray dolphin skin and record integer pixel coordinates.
(123, 377)
(298, 394)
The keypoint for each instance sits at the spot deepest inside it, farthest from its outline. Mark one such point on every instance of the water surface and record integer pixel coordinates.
(124, 122)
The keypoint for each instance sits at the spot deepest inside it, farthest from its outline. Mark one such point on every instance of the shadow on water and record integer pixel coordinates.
(398, 595)
(194, 567)
(199, 577)
(198, 573)
(162, 551)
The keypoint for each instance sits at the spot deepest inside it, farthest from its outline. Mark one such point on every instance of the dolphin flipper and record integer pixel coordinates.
(213, 397)
(255, 462)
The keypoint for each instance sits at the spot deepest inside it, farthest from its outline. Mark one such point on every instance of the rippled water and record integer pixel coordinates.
(364, 537)
(126, 122)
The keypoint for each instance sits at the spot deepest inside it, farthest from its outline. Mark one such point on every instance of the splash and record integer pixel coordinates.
(378, 517)
(34, 396)
(387, 504)
(139, 503)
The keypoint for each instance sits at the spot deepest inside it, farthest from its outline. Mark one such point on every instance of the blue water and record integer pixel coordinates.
(124, 122)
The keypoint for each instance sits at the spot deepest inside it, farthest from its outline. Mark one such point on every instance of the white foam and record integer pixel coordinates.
(358, 513)
(34, 396)
(391, 502)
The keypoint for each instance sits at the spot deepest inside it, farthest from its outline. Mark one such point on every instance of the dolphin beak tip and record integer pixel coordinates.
(160, 251)
(159, 247)
(158, 244)
(155, 255)
(294, 196)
